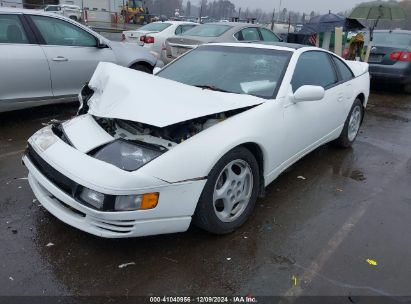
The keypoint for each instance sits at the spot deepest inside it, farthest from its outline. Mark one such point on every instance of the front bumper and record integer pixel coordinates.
(399, 73)
(177, 203)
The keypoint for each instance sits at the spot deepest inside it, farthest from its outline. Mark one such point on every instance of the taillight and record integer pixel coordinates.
(123, 37)
(147, 39)
(400, 56)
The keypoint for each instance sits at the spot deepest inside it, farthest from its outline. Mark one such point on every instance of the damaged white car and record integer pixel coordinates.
(198, 142)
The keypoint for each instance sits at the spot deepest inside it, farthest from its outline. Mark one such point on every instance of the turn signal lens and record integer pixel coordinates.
(149, 201)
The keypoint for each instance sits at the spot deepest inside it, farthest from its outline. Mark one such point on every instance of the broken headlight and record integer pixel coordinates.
(127, 156)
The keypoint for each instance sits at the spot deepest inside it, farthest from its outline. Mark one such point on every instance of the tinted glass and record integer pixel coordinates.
(11, 30)
(187, 27)
(344, 70)
(155, 27)
(52, 8)
(313, 68)
(392, 39)
(269, 35)
(248, 34)
(59, 32)
(208, 30)
(179, 30)
(240, 70)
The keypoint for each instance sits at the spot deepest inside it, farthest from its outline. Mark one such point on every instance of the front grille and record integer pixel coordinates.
(58, 179)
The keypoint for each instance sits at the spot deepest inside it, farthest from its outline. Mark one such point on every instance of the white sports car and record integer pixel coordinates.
(199, 141)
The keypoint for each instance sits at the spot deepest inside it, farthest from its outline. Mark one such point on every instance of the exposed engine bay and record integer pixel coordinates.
(167, 137)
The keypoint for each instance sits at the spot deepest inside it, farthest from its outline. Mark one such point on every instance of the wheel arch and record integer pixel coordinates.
(142, 62)
(256, 150)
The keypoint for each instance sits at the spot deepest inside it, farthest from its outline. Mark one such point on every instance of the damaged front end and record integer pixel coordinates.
(129, 145)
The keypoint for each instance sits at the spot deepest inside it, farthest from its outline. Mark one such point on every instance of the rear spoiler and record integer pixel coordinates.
(358, 68)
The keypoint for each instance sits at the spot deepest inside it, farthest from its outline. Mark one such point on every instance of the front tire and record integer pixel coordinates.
(351, 126)
(230, 193)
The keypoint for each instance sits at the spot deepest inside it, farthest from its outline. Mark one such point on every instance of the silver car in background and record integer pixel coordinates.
(215, 32)
(47, 58)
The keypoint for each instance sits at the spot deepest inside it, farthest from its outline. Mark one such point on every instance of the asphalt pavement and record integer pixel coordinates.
(337, 223)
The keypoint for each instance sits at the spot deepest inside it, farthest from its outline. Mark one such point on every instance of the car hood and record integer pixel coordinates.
(136, 96)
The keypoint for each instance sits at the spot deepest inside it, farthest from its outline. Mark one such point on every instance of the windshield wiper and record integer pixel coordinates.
(213, 88)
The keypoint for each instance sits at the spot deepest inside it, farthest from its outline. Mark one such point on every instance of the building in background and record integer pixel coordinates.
(11, 3)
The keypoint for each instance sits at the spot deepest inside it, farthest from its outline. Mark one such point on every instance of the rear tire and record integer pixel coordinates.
(142, 68)
(230, 193)
(351, 126)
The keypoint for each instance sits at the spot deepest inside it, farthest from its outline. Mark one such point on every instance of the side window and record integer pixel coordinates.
(179, 30)
(59, 32)
(186, 27)
(269, 35)
(345, 72)
(314, 68)
(248, 34)
(11, 30)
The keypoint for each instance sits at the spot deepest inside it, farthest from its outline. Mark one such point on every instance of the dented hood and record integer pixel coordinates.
(127, 94)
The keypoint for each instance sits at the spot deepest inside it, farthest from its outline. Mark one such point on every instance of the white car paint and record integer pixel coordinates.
(114, 90)
(285, 130)
(133, 36)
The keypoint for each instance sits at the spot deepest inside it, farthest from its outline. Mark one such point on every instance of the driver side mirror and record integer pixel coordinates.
(309, 93)
(101, 44)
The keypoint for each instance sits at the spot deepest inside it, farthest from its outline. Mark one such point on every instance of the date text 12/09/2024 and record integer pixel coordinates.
(234, 299)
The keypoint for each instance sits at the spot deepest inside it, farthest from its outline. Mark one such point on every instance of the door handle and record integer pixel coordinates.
(60, 58)
(341, 97)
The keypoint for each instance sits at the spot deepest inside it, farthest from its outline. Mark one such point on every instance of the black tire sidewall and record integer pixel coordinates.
(204, 216)
(343, 140)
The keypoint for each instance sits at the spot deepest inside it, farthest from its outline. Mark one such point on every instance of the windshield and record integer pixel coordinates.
(208, 30)
(155, 27)
(241, 70)
(391, 39)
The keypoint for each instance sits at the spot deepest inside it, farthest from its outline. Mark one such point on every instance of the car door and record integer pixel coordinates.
(71, 51)
(308, 123)
(24, 71)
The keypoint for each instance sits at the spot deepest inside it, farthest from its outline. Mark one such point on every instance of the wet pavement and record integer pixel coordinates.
(309, 236)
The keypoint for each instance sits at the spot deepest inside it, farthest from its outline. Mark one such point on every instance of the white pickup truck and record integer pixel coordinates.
(71, 11)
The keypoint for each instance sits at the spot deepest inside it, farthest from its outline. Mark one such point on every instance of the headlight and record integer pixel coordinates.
(127, 156)
(119, 203)
(94, 198)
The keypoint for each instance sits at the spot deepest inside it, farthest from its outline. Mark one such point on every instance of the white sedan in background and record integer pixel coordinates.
(222, 122)
(153, 35)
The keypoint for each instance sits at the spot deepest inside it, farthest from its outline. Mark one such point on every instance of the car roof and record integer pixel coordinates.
(234, 24)
(175, 22)
(393, 31)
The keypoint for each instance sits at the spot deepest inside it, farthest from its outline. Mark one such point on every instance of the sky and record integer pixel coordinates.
(320, 6)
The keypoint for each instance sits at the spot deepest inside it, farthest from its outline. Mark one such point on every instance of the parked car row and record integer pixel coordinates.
(171, 39)
(46, 58)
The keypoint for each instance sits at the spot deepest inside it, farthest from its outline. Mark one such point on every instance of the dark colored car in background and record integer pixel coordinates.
(390, 58)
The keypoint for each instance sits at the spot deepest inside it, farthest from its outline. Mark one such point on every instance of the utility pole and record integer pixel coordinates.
(272, 21)
(279, 11)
